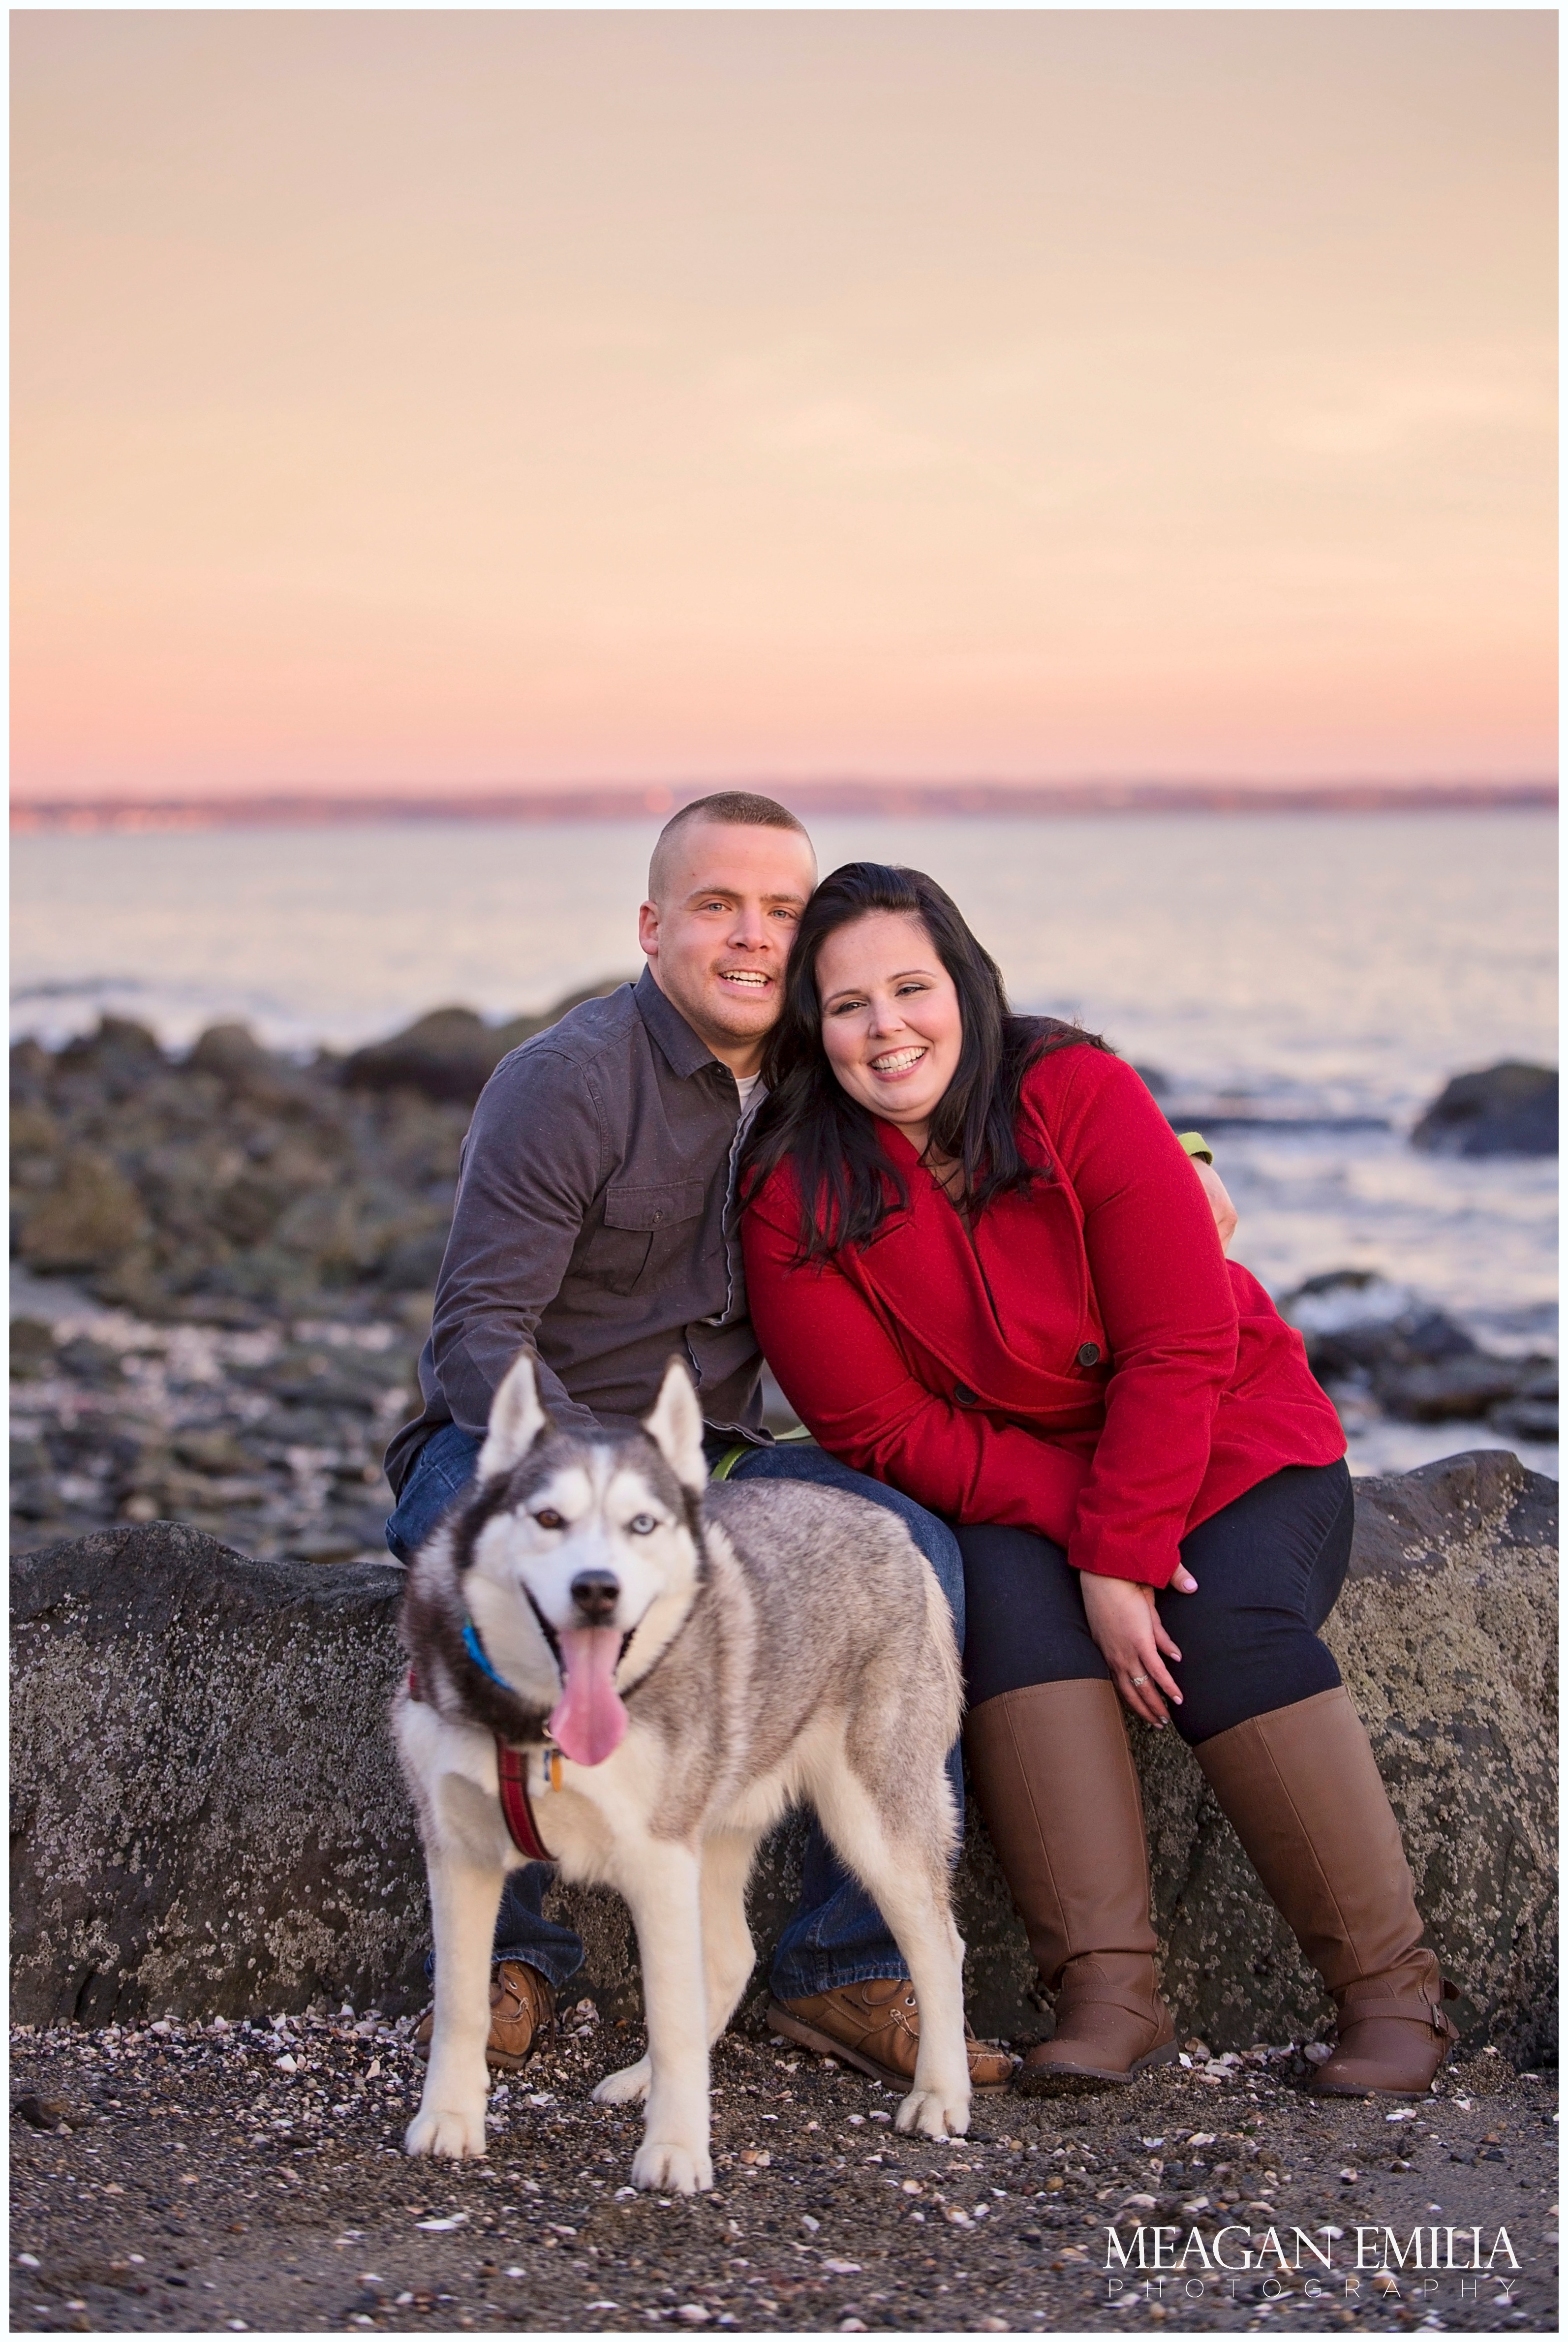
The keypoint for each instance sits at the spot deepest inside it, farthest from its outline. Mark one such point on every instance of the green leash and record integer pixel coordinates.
(731, 1455)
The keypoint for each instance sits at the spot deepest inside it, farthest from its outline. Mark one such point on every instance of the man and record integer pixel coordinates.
(595, 1218)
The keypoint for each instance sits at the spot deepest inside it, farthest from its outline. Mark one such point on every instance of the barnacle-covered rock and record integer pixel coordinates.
(208, 1817)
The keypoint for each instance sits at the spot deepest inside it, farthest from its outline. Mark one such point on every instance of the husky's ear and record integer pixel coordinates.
(517, 1419)
(676, 1427)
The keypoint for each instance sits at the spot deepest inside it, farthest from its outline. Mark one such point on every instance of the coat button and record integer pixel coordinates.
(1089, 1356)
(963, 1395)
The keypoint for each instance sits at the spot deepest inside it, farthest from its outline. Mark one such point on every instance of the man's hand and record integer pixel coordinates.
(1220, 1203)
(1129, 1636)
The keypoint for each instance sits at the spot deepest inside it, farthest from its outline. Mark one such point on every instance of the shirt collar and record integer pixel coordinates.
(682, 1050)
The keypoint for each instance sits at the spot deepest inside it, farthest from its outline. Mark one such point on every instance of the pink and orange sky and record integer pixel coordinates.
(487, 400)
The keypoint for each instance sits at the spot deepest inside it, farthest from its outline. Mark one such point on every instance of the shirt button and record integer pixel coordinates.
(963, 1395)
(1089, 1356)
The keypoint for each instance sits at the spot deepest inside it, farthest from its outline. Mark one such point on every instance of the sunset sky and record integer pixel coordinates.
(405, 401)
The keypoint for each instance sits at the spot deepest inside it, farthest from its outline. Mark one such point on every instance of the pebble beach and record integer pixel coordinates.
(182, 2178)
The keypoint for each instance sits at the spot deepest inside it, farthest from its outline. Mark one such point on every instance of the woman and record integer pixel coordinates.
(981, 1271)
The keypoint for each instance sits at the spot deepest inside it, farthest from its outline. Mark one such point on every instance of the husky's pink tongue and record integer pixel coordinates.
(590, 1723)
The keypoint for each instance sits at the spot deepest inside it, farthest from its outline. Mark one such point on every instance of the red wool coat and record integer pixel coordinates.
(1085, 1362)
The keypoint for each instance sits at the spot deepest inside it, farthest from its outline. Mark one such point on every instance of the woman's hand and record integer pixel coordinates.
(1129, 1636)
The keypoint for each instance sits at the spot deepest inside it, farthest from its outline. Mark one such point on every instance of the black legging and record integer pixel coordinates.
(1269, 1569)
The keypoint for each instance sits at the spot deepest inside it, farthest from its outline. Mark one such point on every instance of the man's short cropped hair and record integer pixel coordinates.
(737, 807)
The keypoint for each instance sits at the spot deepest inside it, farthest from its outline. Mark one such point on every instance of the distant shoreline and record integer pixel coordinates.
(904, 800)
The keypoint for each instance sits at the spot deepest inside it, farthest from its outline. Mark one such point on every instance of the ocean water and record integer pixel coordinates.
(1321, 976)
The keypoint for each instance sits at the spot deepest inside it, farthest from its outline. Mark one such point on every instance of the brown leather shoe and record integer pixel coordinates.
(522, 2007)
(876, 2027)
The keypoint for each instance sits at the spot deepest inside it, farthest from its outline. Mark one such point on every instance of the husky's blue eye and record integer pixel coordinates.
(549, 1520)
(642, 1525)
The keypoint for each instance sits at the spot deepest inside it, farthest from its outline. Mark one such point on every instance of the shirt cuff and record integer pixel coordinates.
(1196, 1145)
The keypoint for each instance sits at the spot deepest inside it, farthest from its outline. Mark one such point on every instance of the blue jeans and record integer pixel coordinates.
(837, 1935)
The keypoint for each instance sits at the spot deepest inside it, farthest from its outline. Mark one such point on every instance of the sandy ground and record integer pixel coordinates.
(198, 2180)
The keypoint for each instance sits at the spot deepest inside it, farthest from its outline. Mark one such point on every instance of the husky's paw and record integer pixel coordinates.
(681, 2170)
(938, 2114)
(623, 2089)
(451, 2131)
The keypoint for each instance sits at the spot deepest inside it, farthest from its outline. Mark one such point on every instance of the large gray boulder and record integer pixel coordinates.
(451, 1053)
(207, 1819)
(1507, 1109)
(206, 1810)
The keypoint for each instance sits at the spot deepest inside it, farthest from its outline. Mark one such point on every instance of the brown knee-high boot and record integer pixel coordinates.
(1055, 1777)
(1301, 1790)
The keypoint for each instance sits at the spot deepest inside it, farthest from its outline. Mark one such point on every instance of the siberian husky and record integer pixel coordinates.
(676, 1665)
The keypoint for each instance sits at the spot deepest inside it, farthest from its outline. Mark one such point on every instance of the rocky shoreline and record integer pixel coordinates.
(269, 1437)
(227, 1263)
(1371, 1343)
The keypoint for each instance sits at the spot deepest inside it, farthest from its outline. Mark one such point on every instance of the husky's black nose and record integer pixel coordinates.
(596, 1592)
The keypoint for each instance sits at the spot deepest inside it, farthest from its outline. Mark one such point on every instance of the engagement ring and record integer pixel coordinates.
(1138, 1679)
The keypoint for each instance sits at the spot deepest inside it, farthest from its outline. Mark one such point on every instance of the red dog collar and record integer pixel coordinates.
(512, 1773)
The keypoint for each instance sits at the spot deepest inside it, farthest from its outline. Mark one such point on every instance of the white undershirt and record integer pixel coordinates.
(746, 1083)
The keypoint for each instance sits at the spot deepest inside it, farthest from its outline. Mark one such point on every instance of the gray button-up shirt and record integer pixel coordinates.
(595, 1219)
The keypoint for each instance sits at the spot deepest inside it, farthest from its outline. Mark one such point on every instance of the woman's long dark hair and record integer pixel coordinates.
(848, 1184)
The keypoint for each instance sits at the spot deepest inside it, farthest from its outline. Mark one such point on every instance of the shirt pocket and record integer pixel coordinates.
(636, 1221)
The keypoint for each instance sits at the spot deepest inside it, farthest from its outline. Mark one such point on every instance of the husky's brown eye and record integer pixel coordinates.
(642, 1525)
(549, 1520)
